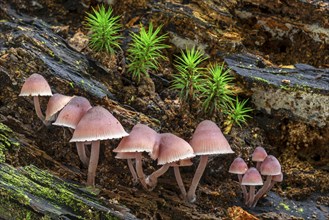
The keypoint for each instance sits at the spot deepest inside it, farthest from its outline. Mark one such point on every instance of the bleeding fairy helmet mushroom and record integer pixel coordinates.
(96, 125)
(141, 139)
(36, 85)
(259, 156)
(270, 167)
(55, 104)
(129, 156)
(206, 140)
(172, 149)
(70, 116)
(240, 167)
(73, 112)
(251, 178)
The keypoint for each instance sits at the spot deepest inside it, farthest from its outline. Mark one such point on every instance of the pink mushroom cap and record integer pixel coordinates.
(72, 113)
(56, 103)
(238, 166)
(173, 148)
(252, 178)
(270, 166)
(126, 155)
(141, 138)
(98, 124)
(208, 139)
(259, 154)
(35, 85)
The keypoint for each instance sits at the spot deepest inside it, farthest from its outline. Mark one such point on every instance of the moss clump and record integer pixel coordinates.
(7, 141)
(38, 189)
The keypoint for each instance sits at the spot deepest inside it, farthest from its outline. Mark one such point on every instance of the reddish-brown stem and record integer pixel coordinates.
(262, 190)
(93, 162)
(191, 197)
(139, 170)
(244, 189)
(180, 181)
(152, 179)
(38, 108)
(132, 171)
(82, 153)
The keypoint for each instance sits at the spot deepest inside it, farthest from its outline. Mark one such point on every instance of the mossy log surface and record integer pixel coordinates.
(39, 193)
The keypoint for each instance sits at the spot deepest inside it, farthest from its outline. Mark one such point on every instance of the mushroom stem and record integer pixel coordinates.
(132, 170)
(152, 179)
(139, 170)
(180, 181)
(258, 165)
(262, 190)
(93, 162)
(191, 197)
(244, 189)
(82, 153)
(38, 108)
(251, 196)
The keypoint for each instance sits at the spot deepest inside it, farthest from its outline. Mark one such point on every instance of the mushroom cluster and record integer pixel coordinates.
(89, 125)
(266, 165)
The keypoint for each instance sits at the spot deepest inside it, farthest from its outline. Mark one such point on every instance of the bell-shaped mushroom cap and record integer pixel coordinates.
(126, 155)
(173, 148)
(252, 177)
(98, 124)
(141, 138)
(72, 113)
(55, 104)
(208, 139)
(270, 166)
(259, 154)
(35, 85)
(182, 163)
(238, 166)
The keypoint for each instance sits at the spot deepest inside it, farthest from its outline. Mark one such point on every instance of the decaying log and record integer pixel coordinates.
(300, 91)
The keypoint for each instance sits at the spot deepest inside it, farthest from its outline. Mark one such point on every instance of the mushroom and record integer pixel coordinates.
(171, 149)
(96, 125)
(206, 140)
(129, 156)
(176, 165)
(275, 179)
(36, 85)
(55, 104)
(141, 139)
(251, 178)
(270, 167)
(240, 167)
(259, 156)
(70, 116)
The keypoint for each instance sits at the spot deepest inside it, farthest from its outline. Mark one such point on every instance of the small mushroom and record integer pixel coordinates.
(207, 140)
(270, 167)
(96, 125)
(240, 167)
(259, 156)
(141, 139)
(70, 116)
(36, 85)
(55, 104)
(171, 149)
(251, 178)
(129, 156)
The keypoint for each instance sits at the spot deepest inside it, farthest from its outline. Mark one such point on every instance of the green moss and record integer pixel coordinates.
(30, 185)
(7, 141)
